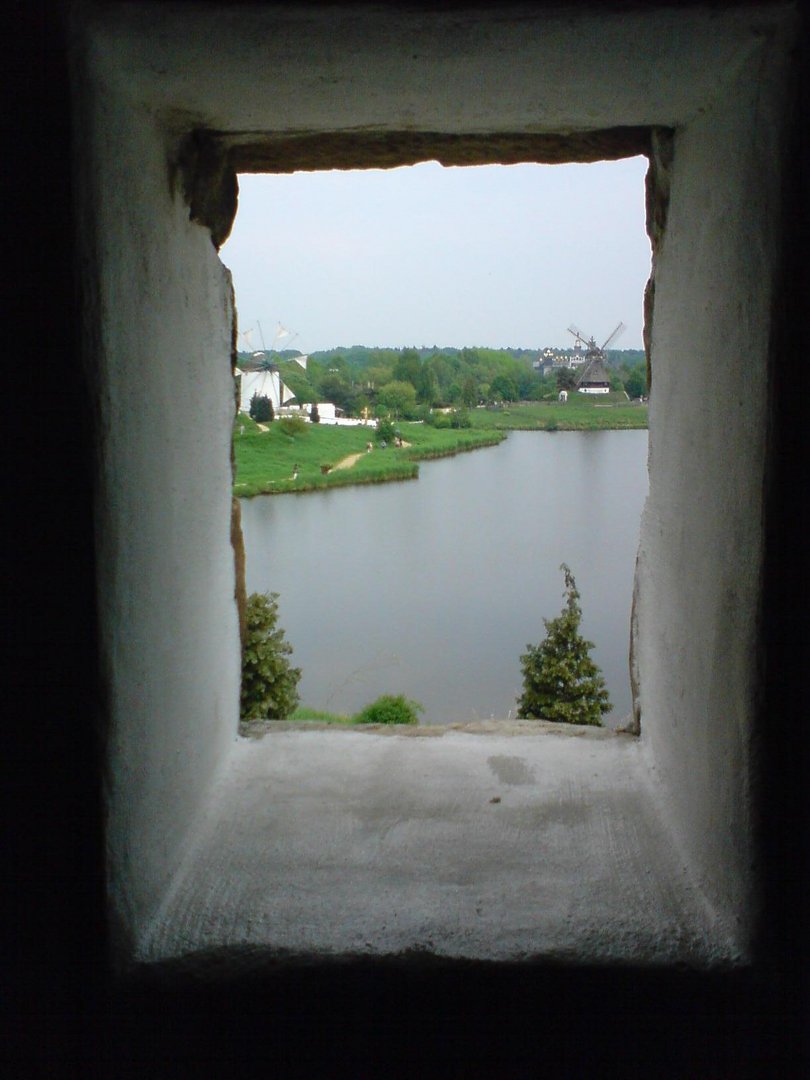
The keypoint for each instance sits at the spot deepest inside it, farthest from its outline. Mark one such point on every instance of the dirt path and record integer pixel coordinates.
(352, 459)
(347, 462)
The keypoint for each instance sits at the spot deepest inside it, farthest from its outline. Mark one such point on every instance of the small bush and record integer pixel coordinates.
(390, 709)
(441, 421)
(314, 415)
(460, 418)
(293, 425)
(385, 431)
(269, 681)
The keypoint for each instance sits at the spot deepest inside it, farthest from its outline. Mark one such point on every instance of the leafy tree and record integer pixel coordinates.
(469, 392)
(261, 409)
(636, 382)
(566, 378)
(560, 680)
(427, 388)
(505, 387)
(399, 397)
(378, 376)
(443, 372)
(269, 682)
(407, 367)
(335, 389)
(528, 385)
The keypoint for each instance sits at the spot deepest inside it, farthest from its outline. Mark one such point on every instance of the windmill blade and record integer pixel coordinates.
(616, 333)
(577, 334)
(283, 332)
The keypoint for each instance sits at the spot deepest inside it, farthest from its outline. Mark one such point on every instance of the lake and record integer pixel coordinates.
(432, 588)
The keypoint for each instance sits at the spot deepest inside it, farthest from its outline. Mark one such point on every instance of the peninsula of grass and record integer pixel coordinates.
(581, 412)
(277, 461)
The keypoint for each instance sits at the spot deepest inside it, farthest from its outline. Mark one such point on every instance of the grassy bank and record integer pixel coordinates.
(266, 460)
(580, 413)
(319, 716)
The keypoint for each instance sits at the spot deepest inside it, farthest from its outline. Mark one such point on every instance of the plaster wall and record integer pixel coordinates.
(699, 569)
(287, 69)
(161, 303)
(159, 313)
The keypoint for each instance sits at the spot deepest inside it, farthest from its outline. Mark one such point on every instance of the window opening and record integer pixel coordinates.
(473, 295)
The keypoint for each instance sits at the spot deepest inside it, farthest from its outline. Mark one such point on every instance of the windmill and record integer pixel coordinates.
(262, 376)
(593, 377)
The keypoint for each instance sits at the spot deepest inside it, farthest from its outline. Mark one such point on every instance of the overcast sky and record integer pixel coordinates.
(492, 256)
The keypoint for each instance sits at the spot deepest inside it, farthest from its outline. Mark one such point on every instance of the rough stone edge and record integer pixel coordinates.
(258, 729)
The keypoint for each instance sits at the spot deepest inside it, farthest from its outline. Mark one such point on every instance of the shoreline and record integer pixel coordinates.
(345, 472)
(401, 470)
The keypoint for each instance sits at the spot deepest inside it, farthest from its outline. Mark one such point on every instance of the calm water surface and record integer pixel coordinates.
(432, 588)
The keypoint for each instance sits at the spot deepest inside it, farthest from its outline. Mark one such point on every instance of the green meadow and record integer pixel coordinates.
(579, 413)
(267, 461)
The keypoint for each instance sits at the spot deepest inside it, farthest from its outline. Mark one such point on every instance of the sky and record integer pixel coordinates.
(493, 256)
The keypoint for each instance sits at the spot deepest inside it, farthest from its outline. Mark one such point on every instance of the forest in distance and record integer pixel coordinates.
(413, 379)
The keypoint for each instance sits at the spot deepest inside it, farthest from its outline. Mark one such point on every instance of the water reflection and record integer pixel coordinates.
(433, 588)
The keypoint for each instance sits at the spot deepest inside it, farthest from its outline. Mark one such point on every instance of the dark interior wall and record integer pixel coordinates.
(783, 746)
(65, 1014)
(54, 937)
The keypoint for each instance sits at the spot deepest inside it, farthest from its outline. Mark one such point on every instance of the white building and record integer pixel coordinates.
(265, 383)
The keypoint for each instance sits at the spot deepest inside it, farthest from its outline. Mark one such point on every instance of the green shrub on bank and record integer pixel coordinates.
(386, 431)
(455, 419)
(269, 681)
(390, 709)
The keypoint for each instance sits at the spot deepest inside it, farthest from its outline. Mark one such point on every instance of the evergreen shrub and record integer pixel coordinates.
(269, 681)
(261, 409)
(560, 680)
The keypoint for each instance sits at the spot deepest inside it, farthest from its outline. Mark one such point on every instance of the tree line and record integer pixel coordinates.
(409, 382)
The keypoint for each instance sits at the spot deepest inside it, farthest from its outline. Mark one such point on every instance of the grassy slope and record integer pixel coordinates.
(265, 460)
